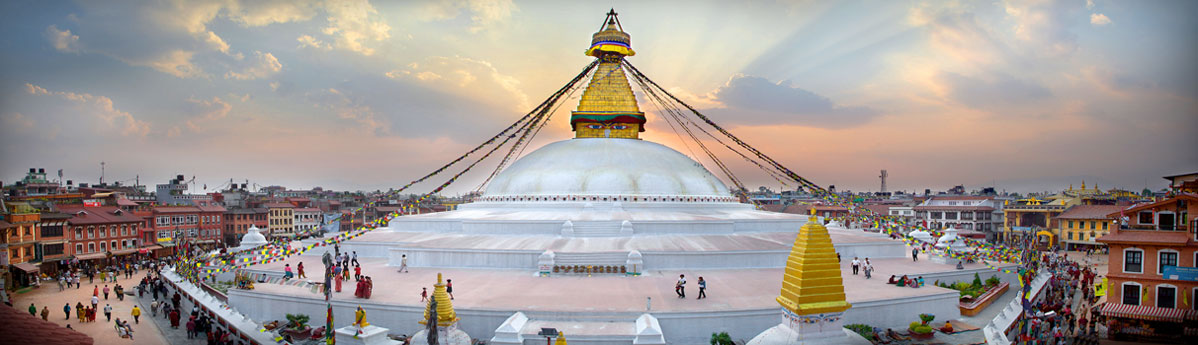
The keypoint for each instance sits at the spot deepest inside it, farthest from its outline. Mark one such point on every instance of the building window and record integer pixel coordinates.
(1133, 260)
(1166, 258)
(52, 249)
(103, 246)
(1166, 221)
(936, 215)
(78, 232)
(1081, 236)
(113, 245)
(1071, 224)
(1166, 296)
(91, 247)
(79, 248)
(1092, 225)
(1145, 217)
(1070, 235)
(91, 232)
(1131, 293)
(1105, 225)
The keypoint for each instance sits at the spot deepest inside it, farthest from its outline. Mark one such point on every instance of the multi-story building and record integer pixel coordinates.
(174, 192)
(1183, 183)
(281, 220)
(194, 224)
(1031, 219)
(22, 243)
(239, 220)
(52, 241)
(97, 232)
(1153, 255)
(306, 219)
(962, 212)
(1080, 226)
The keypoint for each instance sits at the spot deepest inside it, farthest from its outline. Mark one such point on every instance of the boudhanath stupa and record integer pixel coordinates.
(590, 236)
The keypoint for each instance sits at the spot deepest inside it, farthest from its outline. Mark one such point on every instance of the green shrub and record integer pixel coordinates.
(977, 281)
(992, 281)
(721, 338)
(297, 321)
(864, 330)
(922, 329)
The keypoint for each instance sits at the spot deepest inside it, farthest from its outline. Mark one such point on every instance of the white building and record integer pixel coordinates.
(306, 219)
(961, 212)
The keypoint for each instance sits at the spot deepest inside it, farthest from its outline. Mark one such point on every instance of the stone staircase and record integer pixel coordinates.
(596, 228)
(596, 259)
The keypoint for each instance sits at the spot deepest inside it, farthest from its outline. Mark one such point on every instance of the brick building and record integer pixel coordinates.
(239, 220)
(1151, 237)
(95, 232)
(194, 224)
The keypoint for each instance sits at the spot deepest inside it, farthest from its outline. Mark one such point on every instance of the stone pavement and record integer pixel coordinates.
(172, 336)
(101, 331)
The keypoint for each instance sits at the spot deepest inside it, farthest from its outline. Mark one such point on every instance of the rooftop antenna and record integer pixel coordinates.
(101, 173)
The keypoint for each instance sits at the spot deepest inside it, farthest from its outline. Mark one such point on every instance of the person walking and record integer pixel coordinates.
(357, 273)
(105, 292)
(46, 313)
(107, 312)
(136, 314)
(355, 258)
(191, 328)
(95, 301)
(299, 269)
(403, 263)
(856, 265)
(423, 294)
(66, 309)
(174, 318)
(154, 308)
(32, 310)
(449, 288)
(702, 288)
(868, 268)
(914, 254)
(680, 286)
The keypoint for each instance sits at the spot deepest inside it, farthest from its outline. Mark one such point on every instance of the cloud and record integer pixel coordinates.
(1099, 19)
(347, 108)
(63, 40)
(483, 13)
(100, 107)
(355, 26)
(205, 111)
(216, 42)
(992, 93)
(754, 101)
(19, 121)
(1045, 24)
(474, 78)
(266, 12)
(261, 66)
(309, 41)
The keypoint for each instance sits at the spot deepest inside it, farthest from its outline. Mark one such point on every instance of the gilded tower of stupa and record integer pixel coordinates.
(608, 107)
(812, 296)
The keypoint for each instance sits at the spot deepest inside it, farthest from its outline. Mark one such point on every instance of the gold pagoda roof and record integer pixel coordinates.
(445, 314)
(811, 282)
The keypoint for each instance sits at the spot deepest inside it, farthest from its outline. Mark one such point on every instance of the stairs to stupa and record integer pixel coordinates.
(596, 229)
(594, 258)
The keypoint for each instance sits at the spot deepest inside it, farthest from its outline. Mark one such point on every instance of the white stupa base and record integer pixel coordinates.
(446, 336)
(809, 329)
(370, 335)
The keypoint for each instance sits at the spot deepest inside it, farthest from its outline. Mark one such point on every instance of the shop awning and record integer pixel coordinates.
(1150, 313)
(149, 248)
(91, 256)
(27, 267)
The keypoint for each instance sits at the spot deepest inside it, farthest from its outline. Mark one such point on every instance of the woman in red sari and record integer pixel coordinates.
(368, 287)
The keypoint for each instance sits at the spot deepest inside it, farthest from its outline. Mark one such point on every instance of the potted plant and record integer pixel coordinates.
(721, 338)
(920, 330)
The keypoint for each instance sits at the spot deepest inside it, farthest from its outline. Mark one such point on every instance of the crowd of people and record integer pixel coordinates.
(1067, 311)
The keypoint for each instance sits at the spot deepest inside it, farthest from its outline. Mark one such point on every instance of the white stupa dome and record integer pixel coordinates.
(922, 236)
(600, 166)
(253, 238)
(951, 241)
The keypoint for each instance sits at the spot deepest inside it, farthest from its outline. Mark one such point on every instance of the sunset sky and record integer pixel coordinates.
(1023, 95)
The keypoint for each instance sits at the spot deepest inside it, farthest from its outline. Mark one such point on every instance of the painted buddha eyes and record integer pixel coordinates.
(600, 126)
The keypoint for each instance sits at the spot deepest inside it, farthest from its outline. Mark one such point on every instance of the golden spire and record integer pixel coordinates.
(811, 283)
(445, 314)
(608, 108)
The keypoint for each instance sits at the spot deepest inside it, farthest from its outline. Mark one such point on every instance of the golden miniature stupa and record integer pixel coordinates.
(608, 107)
(445, 314)
(811, 283)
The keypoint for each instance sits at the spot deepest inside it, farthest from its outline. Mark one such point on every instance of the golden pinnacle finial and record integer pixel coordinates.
(438, 278)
